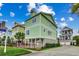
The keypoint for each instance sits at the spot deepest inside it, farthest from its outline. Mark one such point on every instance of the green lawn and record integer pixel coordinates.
(13, 51)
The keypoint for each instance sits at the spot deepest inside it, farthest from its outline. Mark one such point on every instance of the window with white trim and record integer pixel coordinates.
(34, 20)
(49, 32)
(27, 32)
(44, 29)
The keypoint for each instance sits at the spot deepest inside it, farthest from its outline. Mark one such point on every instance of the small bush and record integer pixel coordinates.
(10, 44)
(46, 47)
(51, 45)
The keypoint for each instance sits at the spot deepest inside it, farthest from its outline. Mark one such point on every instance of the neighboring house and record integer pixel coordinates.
(2, 25)
(2, 28)
(17, 28)
(40, 29)
(66, 36)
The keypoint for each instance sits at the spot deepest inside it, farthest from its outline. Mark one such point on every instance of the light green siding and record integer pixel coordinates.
(37, 28)
(49, 16)
(34, 32)
(34, 28)
(45, 33)
(29, 23)
(48, 27)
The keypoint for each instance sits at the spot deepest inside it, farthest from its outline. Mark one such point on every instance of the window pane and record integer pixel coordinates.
(49, 32)
(27, 32)
(33, 20)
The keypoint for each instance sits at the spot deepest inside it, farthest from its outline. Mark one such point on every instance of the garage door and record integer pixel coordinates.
(65, 43)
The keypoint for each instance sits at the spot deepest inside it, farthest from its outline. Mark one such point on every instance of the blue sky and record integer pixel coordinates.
(19, 12)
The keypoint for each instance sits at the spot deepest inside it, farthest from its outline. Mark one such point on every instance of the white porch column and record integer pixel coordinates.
(28, 43)
(25, 42)
(44, 42)
(31, 43)
(35, 43)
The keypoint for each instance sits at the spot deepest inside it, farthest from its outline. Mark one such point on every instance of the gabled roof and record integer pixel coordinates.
(44, 14)
(18, 25)
(66, 28)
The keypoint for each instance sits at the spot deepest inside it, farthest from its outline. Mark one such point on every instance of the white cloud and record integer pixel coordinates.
(22, 23)
(69, 11)
(56, 22)
(47, 9)
(30, 6)
(71, 19)
(27, 14)
(1, 5)
(53, 13)
(62, 19)
(41, 8)
(63, 24)
(12, 14)
(75, 32)
(0, 14)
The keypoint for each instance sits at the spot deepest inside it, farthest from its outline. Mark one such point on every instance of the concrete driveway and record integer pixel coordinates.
(60, 51)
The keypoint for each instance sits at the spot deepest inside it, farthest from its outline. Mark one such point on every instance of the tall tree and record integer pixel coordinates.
(19, 36)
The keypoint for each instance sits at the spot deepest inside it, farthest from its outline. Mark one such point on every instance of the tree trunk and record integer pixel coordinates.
(17, 43)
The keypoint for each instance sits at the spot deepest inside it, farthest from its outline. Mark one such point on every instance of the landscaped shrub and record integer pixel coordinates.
(76, 38)
(51, 45)
(11, 44)
(48, 45)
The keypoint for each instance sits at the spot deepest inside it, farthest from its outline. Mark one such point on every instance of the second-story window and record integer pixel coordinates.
(44, 30)
(27, 32)
(49, 33)
(33, 20)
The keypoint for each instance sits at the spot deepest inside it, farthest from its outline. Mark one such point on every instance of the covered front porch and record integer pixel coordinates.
(35, 43)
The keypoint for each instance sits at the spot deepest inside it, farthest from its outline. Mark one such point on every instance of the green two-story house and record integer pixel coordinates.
(40, 29)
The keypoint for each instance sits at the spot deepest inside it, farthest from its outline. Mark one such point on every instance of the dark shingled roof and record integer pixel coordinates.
(66, 28)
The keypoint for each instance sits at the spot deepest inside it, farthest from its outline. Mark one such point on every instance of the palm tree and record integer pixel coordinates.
(19, 36)
(75, 8)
